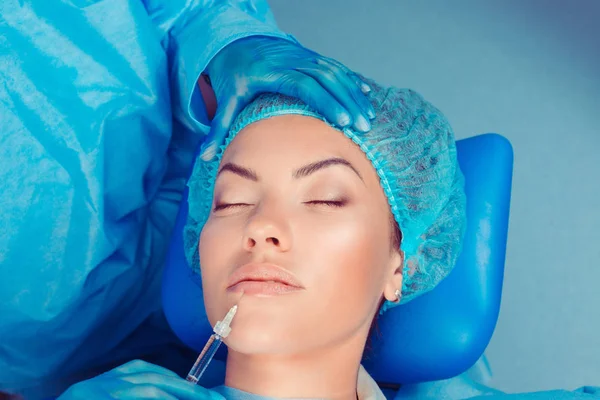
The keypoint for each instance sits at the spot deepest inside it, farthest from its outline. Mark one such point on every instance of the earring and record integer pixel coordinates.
(397, 293)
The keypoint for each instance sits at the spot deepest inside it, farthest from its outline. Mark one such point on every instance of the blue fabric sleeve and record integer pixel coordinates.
(193, 32)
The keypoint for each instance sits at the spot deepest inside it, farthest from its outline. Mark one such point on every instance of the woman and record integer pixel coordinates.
(320, 231)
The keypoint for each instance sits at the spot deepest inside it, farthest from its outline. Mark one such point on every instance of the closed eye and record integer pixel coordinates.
(329, 203)
(227, 206)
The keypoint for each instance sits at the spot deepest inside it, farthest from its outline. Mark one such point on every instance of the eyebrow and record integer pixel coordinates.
(301, 172)
(318, 165)
(244, 172)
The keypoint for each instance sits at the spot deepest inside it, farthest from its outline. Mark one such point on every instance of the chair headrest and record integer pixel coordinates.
(436, 336)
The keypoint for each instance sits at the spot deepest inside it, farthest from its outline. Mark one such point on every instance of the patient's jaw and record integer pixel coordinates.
(326, 224)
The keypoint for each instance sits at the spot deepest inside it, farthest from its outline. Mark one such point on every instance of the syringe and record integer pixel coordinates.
(221, 331)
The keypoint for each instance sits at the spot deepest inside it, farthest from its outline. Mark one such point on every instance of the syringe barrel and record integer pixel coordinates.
(204, 358)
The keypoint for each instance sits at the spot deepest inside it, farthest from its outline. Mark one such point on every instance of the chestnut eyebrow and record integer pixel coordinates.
(318, 165)
(244, 172)
(301, 172)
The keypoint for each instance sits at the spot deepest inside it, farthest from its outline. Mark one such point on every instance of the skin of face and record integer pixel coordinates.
(328, 226)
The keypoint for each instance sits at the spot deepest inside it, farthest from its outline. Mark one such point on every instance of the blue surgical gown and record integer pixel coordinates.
(586, 393)
(96, 140)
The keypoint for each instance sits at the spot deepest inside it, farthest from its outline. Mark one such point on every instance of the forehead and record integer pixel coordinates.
(293, 140)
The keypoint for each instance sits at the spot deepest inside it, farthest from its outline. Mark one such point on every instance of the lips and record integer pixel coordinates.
(262, 279)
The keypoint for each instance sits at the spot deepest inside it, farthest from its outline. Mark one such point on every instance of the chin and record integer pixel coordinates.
(264, 336)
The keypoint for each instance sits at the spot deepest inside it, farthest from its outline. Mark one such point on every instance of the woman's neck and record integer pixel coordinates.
(325, 373)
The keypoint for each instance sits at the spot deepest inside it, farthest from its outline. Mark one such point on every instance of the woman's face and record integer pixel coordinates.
(301, 226)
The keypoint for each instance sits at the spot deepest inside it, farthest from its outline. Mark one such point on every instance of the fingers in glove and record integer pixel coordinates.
(352, 83)
(139, 366)
(175, 386)
(329, 81)
(141, 392)
(303, 86)
(364, 86)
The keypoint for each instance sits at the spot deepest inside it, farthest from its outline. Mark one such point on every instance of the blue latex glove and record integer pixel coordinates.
(138, 380)
(258, 64)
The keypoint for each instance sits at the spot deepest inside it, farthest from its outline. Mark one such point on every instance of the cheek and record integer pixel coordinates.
(348, 256)
(216, 262)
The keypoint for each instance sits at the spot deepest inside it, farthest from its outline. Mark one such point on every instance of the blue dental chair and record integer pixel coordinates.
(437, 336)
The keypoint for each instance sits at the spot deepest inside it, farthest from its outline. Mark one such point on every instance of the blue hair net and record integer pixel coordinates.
(411, 146)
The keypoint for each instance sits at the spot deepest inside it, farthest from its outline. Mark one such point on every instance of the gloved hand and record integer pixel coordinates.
(253, 65)
(138, 380)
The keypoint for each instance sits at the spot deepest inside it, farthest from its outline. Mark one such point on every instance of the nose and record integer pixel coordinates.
(266, 233)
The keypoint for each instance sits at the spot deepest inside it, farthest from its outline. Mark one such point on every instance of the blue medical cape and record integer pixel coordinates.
(587, 393)
(96, 142)
(464, 386)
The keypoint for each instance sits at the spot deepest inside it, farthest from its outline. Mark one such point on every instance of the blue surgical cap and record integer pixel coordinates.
(411, 146)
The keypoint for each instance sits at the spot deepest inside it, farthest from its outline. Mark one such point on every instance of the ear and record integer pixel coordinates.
(394, 276)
